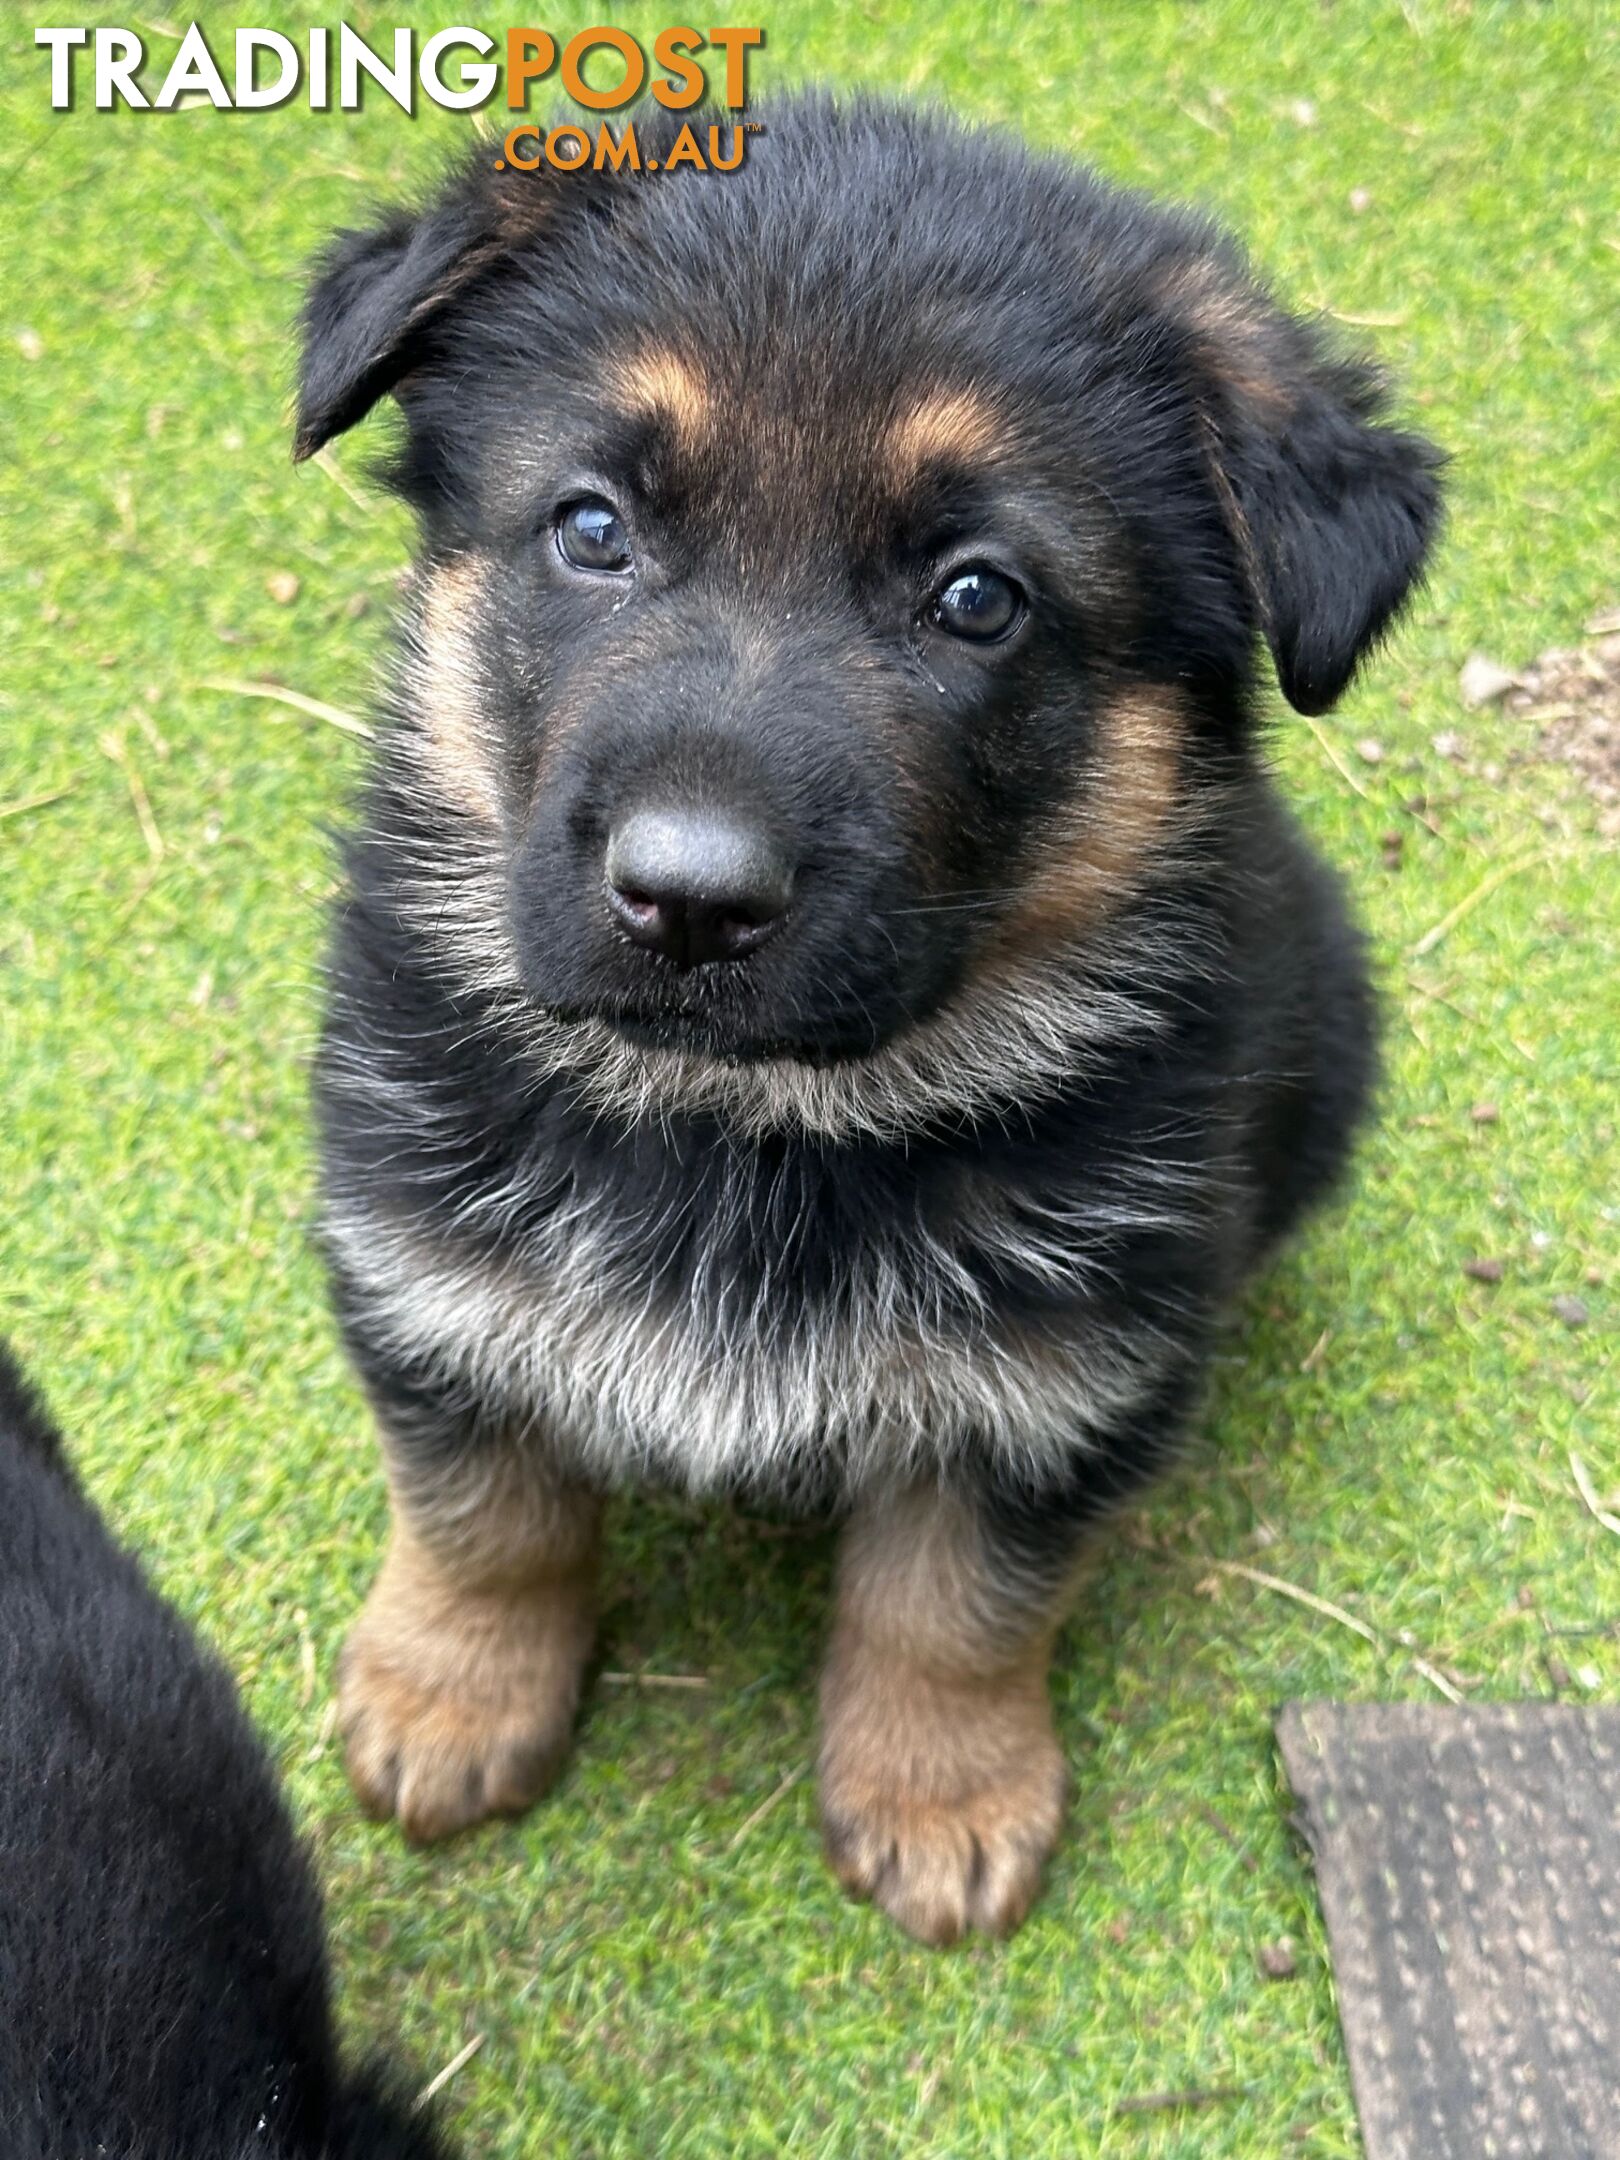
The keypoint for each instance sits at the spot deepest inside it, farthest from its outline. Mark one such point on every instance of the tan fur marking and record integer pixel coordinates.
(1098, 842)
(1229, 326)
(957, 426)
(459, 1681)
(942, 1784)
(453, 735)
(658, 381)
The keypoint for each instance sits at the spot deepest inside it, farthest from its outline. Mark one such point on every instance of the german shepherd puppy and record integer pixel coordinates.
(163, 1982)
(828, 1003)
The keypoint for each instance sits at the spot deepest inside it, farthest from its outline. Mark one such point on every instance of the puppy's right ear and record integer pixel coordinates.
(376, 296)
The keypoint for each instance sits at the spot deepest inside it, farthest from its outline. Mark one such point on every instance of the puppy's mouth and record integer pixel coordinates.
(709, 1037)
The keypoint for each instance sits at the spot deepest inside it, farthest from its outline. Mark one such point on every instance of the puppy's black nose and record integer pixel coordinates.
(696, 885)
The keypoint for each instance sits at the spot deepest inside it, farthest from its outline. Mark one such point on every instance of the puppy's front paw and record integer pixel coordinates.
(456, 1709)
(946, 1825)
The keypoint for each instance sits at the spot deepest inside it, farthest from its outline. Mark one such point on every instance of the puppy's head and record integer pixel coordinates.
(840, 577)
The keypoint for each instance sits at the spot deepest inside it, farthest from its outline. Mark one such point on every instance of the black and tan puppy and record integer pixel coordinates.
(828, 1002)
(163, 1982)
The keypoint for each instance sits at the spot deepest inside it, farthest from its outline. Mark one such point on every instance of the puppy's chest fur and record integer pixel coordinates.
(727, 1316)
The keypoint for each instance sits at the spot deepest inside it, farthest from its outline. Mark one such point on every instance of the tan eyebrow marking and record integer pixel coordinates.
(659, 380)
(957, 424)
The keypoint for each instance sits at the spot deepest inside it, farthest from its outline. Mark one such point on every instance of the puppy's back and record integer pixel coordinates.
(162, 1962)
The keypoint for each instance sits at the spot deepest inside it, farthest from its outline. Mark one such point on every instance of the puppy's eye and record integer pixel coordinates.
(591, 535)
(979, 604)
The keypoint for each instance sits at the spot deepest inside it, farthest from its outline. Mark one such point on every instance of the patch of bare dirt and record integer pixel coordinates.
(1571, 695)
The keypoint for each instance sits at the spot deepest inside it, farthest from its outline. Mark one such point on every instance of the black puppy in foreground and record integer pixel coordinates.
(163, 1982)
(828, 1001)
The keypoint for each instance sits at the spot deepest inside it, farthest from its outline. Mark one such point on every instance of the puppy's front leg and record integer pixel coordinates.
(459, 1681)
(942, 1784)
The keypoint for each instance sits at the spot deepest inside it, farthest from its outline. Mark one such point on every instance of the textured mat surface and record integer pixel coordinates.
(1469, 1868)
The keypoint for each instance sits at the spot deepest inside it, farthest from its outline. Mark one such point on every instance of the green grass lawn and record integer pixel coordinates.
(652, 1965)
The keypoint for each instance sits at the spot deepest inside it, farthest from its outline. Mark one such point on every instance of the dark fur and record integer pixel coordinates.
(162, 1963)
(1192, 474)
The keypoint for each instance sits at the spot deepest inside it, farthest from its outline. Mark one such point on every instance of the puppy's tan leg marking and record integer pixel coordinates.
(459, 1681)
(942, 1785)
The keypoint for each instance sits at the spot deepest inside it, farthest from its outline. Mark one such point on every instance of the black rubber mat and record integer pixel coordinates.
(1469, 1868)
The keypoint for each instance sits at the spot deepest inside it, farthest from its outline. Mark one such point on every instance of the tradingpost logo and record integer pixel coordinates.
(460, 67)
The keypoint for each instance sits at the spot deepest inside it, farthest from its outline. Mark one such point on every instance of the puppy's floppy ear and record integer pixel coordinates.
(376, 294)
(1332, 512)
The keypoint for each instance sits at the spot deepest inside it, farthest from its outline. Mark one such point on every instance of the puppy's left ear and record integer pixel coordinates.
(1332, 512)
(377, 294)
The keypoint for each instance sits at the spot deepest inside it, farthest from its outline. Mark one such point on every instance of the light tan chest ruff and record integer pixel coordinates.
(717, 1391)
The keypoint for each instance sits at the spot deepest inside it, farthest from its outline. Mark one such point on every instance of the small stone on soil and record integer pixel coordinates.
(1483, 681)
(1276, 1960)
